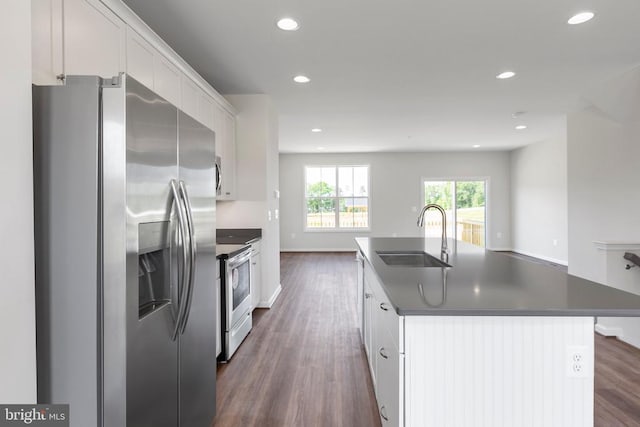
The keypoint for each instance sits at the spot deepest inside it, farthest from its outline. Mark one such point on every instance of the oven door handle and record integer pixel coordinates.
(239, 259)
(184, 277)
(193, 253)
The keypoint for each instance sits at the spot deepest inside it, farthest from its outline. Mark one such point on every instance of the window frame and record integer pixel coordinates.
(337, 228)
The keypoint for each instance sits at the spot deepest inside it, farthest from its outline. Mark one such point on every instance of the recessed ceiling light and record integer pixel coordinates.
(521, 127)
(316, 130)
(320, 148)
(476, 146)
(301, 79)
(505, 75)
(288, 24)
(580, 18)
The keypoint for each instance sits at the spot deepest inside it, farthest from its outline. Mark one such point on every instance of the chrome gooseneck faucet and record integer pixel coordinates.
(443, 249)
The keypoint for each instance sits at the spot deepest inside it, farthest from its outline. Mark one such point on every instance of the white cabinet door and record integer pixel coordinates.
(218, 310)
(47, 42)
(360, 294)
(140, 56)
(166, 80)
(218, 318)
(368, 329)
(190, 97)
(256, 275)
(207, 115)
(94, 39)
(389, 364)
(229, 186)
(225, 127)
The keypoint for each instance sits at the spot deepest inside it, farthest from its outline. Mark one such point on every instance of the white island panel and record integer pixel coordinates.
(498, 371)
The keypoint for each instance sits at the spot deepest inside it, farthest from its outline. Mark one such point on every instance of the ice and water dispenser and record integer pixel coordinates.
(154, 257)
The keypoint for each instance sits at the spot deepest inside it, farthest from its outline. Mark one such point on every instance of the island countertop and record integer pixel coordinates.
(482, 282)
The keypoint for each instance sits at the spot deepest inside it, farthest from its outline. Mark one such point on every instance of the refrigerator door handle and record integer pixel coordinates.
(193, 253)
(218, 175)
(184, 279)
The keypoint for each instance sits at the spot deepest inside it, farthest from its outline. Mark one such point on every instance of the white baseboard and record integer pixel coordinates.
(270, 301)
(500, 249)
(319, 250)
(608, 331)
(546, 258)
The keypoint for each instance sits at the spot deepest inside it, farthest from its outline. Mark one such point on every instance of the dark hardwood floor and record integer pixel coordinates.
(617, 383)
(303, 364)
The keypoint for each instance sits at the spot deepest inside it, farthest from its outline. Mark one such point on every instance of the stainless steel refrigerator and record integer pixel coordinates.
(125, 188)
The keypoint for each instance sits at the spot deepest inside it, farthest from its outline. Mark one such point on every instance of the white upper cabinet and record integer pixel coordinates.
(225, 128)
(229, 187)
(190, 98)
(75, 37)
(47, 41)
(94, 39)
(140, 56)
(166, 80)
(206, 114)
(104, 38)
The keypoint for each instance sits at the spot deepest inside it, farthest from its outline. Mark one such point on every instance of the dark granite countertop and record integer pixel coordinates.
(237, 236)
(486, 283)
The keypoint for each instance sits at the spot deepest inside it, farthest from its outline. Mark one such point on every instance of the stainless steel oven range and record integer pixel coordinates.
(235, 272)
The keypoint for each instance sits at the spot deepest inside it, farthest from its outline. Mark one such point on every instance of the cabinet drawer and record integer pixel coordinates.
(386, 316)
(389, 320)
(390, 368)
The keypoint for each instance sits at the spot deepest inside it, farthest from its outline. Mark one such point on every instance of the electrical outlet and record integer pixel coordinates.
(555, 242)
(578, 362)
(499, 234)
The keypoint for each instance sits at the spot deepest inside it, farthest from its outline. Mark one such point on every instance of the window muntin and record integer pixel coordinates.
(336, 197)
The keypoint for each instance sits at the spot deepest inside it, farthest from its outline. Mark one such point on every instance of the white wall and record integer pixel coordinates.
(539, 199)
(17, 300)
(396, 188)
(603, 187)
(603, 148)
(256, 180)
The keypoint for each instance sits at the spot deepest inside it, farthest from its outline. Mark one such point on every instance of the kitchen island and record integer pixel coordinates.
(490, 340)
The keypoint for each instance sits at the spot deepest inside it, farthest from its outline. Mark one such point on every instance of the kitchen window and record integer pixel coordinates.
(337, 198)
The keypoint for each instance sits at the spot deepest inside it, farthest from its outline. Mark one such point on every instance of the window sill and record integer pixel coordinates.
(337, 230)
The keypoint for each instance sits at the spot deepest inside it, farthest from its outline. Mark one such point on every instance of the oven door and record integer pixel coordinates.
(238, 288)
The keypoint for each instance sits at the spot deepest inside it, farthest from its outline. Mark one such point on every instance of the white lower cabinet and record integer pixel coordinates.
(256, 274)
(423, 374)
(368, 329)
(390, 369)
(218, 310)
(383, 334)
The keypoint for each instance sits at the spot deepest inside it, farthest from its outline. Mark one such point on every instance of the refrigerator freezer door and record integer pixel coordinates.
(151, 164)
(66, 169)
(198, 341)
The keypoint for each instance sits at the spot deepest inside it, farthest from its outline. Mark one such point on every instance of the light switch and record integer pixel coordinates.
(269, 215)
(276, 213)
(276, 194)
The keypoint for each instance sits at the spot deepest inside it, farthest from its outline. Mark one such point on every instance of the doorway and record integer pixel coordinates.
(464, 202)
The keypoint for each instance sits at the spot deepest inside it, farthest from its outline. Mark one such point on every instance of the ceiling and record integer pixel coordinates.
(405, 75)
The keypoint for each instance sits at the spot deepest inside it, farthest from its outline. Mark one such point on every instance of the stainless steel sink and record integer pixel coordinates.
(410, 259)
